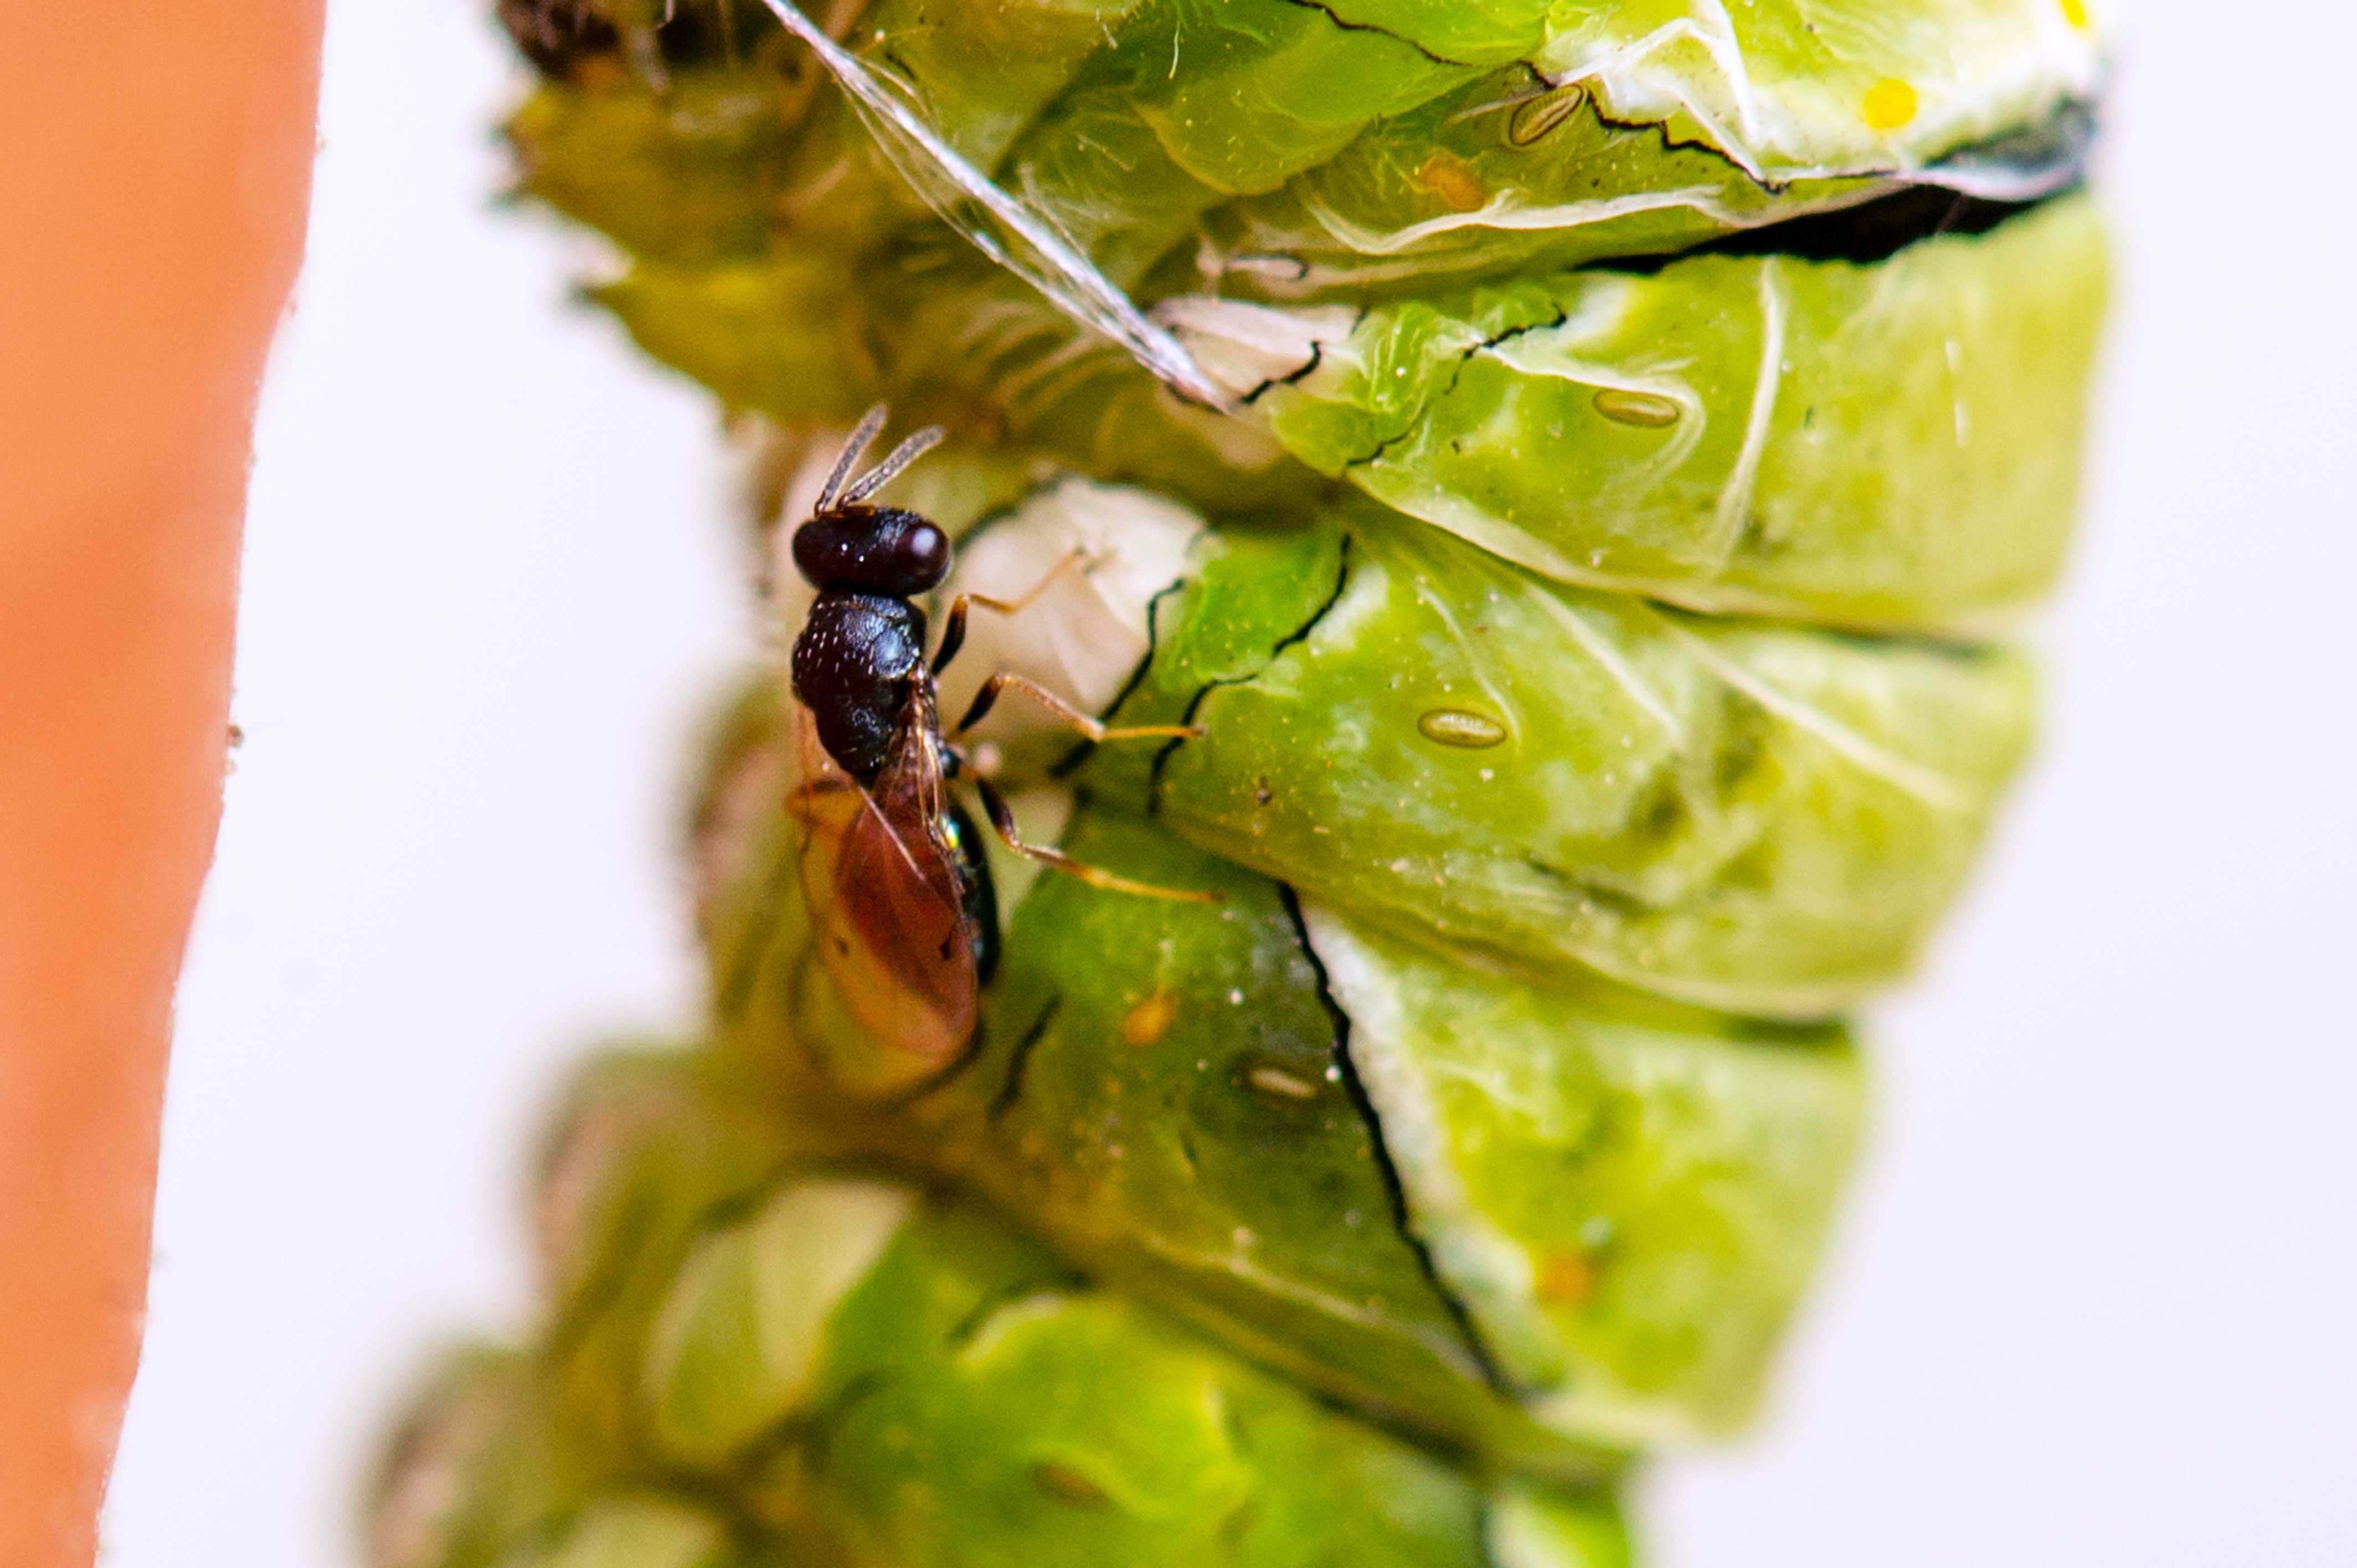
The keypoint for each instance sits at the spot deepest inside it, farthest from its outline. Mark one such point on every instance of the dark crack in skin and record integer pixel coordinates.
(815, 1433)
(1195, 703)
(1010, 1088)
(971, 1326)
(1871, 232)
(1376, 453)
(1074, 760)
(1307, 368)
(1346, 24)
(1393, 1188)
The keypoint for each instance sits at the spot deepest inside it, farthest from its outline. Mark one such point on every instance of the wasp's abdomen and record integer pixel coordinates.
(850, 666)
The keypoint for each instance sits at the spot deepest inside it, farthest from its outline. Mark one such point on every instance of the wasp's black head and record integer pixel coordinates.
(872, 550)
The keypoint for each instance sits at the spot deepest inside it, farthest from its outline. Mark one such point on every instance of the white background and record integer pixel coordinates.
(2096, 1297)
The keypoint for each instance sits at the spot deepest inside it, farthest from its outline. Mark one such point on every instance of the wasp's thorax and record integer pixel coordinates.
(864, 644)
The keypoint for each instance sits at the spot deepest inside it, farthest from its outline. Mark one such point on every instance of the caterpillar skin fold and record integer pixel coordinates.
(1553, 483)
(797, 1362)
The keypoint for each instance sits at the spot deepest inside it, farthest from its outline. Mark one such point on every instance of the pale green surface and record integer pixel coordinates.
(633, 1532)
(480, 1461)
(645, 1145)
(1161, 1089)
(1504, 173)
(696, 177)
(1894, 443)
(1758, 818)
(960, 1398)
(984, 71)
(1629, 1206)
(1359, 142)
(1529, 1529)
(803, 338)
(738, 1342)
(1066, 1426)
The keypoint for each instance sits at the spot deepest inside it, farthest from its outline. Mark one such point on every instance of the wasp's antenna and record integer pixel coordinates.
(832, 496)
(877, 478)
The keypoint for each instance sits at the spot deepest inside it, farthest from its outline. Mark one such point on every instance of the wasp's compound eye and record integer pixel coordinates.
(921, 553)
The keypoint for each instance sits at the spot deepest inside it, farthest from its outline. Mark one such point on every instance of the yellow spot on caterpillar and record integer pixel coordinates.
(1150, 1019)
(1452, 179)
(2075, 13)
(1565, 1279)
(1890, 103)
(1455, 727)
(1650, 410)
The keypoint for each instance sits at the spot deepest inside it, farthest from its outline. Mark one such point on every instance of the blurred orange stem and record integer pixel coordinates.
(151, 218)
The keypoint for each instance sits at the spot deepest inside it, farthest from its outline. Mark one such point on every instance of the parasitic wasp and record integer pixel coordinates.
(891, 867)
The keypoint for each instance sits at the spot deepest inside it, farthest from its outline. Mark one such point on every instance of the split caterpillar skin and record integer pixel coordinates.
(1552, 658)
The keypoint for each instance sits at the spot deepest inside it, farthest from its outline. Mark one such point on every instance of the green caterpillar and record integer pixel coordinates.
(750, 1364)
(1554, 474)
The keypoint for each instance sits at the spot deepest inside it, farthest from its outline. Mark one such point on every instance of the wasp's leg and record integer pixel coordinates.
(987, 698)
(954, 624)
(1002, 819)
